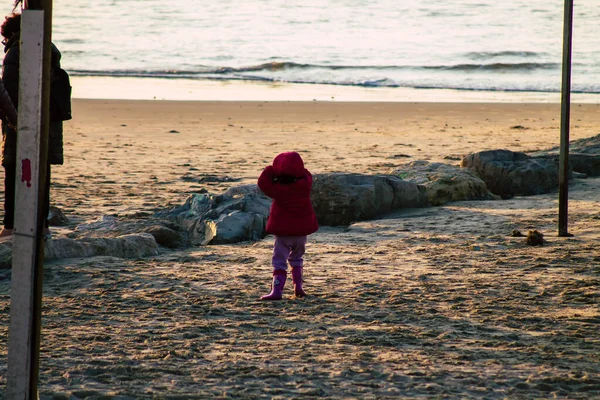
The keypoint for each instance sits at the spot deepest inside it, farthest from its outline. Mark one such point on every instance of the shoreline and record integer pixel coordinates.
(206, 90)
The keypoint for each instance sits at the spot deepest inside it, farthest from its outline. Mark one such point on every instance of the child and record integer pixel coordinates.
(291, 218)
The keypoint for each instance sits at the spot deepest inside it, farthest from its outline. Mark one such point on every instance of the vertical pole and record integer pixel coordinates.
(563, 172)
(28, 245)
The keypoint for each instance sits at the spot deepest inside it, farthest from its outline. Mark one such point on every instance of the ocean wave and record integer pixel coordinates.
(486, 55)
(500, 76)
(373, 83)
(279, 66)
(522, 66)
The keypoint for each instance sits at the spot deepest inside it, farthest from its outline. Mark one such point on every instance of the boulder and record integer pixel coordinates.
(340, 199)
(584, 155)
(588, 164)
(241, 212)
(444, 183)
(126, 246)
(56, 217)
(507, 173)
(100, 226)
(165, 232)
(166, 236)
(234, 227)
(237, 215)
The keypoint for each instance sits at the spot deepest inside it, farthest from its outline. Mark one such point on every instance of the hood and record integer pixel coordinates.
(56, 56)
(288, 164)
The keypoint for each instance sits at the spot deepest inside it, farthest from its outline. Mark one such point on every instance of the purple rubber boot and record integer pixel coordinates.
(279, 277)
(297, 279)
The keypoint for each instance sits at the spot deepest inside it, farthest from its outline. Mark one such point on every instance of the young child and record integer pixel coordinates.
(291, 218)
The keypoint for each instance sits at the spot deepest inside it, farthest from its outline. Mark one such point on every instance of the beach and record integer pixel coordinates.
(438, 302)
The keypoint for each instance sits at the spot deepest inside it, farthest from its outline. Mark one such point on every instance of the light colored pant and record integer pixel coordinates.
(288, 248)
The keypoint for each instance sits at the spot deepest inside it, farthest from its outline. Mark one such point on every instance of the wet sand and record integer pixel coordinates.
(432, 303)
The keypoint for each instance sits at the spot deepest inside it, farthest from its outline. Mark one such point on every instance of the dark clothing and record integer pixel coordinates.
(291, 212)
(8, 112)
(10, 79)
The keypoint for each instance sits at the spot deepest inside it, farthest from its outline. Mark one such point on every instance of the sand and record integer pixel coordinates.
(432, 303)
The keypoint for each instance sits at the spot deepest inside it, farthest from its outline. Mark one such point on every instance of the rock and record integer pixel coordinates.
(507, 173)
(102, 224)
(340, 199)
(579, 175)
(67, 248)
(126, 246)
(239, 214)
(197, 204)
(243, 190)
(588, 164)
(165, 232)
(234, 227)
(217, 179)
(56, 217)
(166, 236)
(584, 155)
(444, 183)
(582, 165)
(189, 177)
(534, 238)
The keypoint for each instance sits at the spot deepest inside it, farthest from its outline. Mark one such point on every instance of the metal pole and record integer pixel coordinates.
(563, 172)
(28, 245)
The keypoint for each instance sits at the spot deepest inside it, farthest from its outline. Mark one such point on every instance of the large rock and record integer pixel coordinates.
(444, 183)
(340, 199)
(241, 212)
(166, 235)
(588, 164)
(507, 173)
(234, 216)
(126, 246)
(165, 232)
(233, 227)
(102, 226)
(56, 217)
(584, 155)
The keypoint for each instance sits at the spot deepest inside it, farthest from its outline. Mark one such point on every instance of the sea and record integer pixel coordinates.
(331, 49)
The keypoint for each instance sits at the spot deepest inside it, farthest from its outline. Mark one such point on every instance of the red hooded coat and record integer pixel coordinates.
(291, 213)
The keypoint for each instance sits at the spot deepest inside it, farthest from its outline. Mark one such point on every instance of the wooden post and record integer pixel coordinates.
(28, 245)
(565, 117)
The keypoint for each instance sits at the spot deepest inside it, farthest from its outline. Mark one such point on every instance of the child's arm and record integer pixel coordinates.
(265, 182)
